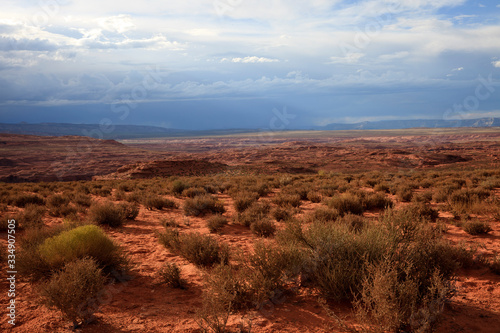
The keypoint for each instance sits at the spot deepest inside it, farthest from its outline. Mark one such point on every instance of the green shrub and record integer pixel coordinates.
(170, 274)
(75, 290)
(107, 214)
(263, 227)
(85, 241)
(477, 228)
(346, 203)
(201, 205)
(216, 223)
(157, 202)
(30, 263)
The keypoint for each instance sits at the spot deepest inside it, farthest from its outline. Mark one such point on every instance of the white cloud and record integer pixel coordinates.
(457, 69)
(394, 56)
(350, 58)
(496, 63)
(250, 59)
(119, 23)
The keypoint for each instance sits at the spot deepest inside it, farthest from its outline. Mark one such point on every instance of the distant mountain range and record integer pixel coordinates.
(414, 123)
(138, 132)
(114, 132)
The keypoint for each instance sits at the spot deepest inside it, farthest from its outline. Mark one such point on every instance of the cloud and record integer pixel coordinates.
(394, 56)
(249, 60)
(119, 23)
(350, 58)
(496, 63)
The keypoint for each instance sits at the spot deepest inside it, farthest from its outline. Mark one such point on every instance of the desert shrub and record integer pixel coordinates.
(31, 217)
(125, 187)
(477, 228)
(81, 199)
(170, 274)
(314, 196)
(178, 186)
(257, 211)
(404, 193)
(201, 250)
(291, 200)
(85, 241)
(224, 292)
(354, 223)
(23, 200)
(201, 205)
(102, 191)
(263, 227)
(465, 200)
(170, 238)
(216, 223)
(169, 223)
(119, 195)
(75, 290)
(107, 214)
(228, 287)
(346, 203)
(157, 202)
(281, 213)
(325, 214)
(393, 299)
(59, 206)
(381, 187)
(30, 263)
(193, 192)
(495, 265)
(424, 197)
(57, 200)
(135, 197)
(243, 200)
(130, 210)
(423, 210)
(338, 257)
(271, 268)
(440, 195)
(376, 201)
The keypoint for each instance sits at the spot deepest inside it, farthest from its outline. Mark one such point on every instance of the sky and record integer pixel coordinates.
(274, 64)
